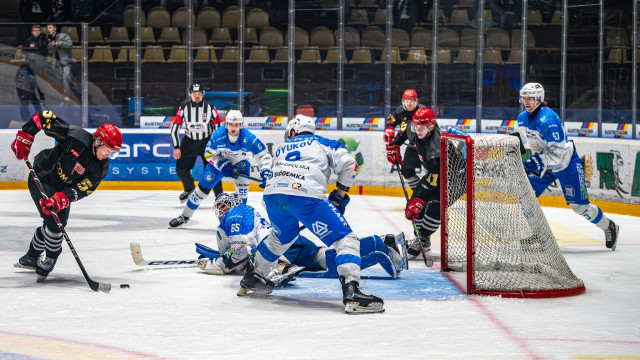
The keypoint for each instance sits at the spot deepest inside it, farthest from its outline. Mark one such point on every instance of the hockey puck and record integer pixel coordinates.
(124, 286)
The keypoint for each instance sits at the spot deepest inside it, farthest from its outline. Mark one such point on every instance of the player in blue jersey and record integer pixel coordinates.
(297, 193)
(242, 228)
(555, 157)
(228, 153)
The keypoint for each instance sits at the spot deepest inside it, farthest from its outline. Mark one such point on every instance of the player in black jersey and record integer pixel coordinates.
(402, 117)
(69, 171)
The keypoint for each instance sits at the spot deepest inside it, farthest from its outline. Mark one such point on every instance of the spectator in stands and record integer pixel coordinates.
(27, 86)
(109, 12)
(61, 60)
(82, 10)
(60, 11)
(505, 12)
(406, 13)
(35, 46)
(34, 10)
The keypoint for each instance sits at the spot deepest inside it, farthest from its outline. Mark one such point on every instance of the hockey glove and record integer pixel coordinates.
(393, 154)
(21, 146)
(534, 165)
(265, 174)
(414, 209)
(389, 134)
(57, 202)
(340, 203)
(227, 168)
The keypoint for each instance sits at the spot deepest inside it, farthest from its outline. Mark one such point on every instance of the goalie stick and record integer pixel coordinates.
(136, 254)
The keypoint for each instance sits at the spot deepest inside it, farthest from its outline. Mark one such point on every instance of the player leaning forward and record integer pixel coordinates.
(296, 192)
(555, 157)
(69, 171)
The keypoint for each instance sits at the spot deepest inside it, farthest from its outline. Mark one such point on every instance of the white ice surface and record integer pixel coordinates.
(185, 314)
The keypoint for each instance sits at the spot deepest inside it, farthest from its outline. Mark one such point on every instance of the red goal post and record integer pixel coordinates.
(492, 225)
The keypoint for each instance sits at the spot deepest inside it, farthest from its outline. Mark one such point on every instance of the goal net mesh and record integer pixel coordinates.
(510, 250)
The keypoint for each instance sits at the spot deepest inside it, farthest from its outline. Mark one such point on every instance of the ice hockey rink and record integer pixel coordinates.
(186, 314)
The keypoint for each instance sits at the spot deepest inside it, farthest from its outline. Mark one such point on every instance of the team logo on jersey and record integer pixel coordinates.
(319, 228)
(569, 191)
(75, 153)
(78, 168)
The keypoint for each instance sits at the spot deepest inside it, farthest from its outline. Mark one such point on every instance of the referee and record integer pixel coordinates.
(200, 119)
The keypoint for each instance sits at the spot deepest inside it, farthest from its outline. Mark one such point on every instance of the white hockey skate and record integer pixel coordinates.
(284, 273)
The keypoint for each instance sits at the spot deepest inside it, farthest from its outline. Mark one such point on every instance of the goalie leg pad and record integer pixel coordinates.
(207, 252)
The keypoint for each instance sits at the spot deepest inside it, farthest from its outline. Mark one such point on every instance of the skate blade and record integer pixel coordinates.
(252, 293)
(354, 308)
(41, 278)
(20, 266)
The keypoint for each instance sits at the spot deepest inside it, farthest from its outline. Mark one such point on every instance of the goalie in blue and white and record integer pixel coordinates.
(555, 157)
(228, 152)
(242, 228)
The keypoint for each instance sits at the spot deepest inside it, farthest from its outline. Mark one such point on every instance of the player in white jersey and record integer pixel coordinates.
(228, 153)
(296, 193)
(242, 228)
(555, 157)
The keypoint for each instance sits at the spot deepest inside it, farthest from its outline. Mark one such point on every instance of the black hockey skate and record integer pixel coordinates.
(179, 221)
(27, 262)
(413, 248)
(355, 302)
(611, 235)
(184, 196)
(44, 268)
(398, 250)
(253, 283)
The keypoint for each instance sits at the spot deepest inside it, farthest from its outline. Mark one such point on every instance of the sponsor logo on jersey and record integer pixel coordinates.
(75, 153)
(78, 168)
(282, 185)
(569, 191)
(289, 174)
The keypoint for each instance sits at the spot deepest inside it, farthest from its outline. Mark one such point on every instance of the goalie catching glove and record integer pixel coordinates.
(393, 154)
(414, 209)
(21, 146)
(56, 203)
(534, 165)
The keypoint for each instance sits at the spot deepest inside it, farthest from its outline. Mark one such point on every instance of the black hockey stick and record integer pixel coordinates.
(246, 176)
(94, 285)
(428, 260)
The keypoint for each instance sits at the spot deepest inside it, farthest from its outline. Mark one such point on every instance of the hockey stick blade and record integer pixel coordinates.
(136, 254)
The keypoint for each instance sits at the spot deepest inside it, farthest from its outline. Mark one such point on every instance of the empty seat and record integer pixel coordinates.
(199, 37)
(372, 36)
(101, 54)
(72, 31)
(448, 38)
(301, 38)
(556, 18)
(459, 17)
(444, 56)
(430, 15)
(257, 18)
(322, 37)
(421, 37)
(515, 57)
(333, 56)
(169, 36)
(271, 37)
(416, 56)
(361, 55)
(534, 18)
(466, 56)
(208, 18)
(230, 17)
(351, 37)
(178, 54)
(118, 36)
(281, 56)
(220, 36)
(497, 38)
(153, 53)
(95, 35)
(258, 54)
(158, 17)
(146, 36)
(400, 38)
(205, 54)
(229, 54)
(129, 17)
(126, 54)
(250, 36)
(358, 17)
(617, 38)
(492, 56)
(310, 55)
(469, 38)
(380, 17)
(76, 54)
(179, 18)
(615, 57)
(394, 56)
(516, 39)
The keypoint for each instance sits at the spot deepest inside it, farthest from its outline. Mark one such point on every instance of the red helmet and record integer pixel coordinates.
(409, 94)
(109, 135)
(424, 116)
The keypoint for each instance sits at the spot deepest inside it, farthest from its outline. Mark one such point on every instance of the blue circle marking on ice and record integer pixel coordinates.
(418, 284)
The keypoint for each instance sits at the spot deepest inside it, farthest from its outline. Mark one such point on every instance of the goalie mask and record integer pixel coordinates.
(225, 202)
(532, 90)
(300, 124)
(409, 100)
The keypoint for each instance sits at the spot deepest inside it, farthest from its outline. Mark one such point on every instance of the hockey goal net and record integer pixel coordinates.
(492, 226)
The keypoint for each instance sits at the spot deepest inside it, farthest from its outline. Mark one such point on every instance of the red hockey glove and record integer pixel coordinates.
(414, 209)
(57, 202)
(393, 154)
(21, 146)
(389, 134)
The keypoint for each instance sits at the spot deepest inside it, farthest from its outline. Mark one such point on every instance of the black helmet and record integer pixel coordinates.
(195, 88)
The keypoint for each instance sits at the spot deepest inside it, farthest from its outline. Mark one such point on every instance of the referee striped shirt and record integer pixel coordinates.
(200, 122)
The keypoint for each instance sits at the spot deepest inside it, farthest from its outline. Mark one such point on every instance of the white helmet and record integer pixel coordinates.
(300, 124)
(534, 90)
(234, 116)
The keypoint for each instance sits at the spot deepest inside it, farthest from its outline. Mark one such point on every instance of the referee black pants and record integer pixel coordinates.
(190, 150)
